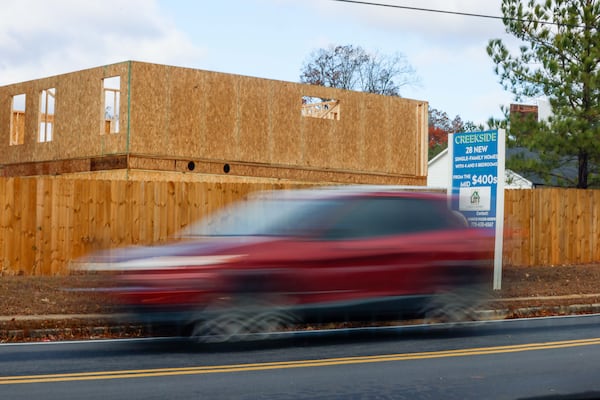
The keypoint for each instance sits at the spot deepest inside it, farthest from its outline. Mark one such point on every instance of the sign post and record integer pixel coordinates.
(477, 182)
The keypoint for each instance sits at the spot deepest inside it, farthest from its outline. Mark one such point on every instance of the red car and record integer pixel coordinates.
(335, 254)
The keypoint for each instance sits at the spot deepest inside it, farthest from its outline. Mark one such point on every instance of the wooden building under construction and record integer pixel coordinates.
(133, 120)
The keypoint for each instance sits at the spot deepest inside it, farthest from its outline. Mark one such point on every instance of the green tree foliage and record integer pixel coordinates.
(353, 68)
(559, 60)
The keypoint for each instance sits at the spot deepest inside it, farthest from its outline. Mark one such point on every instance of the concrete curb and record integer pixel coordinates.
(50, 334)
(61, 317)
(525, 312)
(560, 297)
(81, 326)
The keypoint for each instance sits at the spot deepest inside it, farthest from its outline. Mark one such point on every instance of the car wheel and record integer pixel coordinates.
(455, 305)
(242, 318)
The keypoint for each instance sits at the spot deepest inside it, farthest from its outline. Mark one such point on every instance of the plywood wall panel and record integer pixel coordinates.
(317, 140)
(320, 144)
(77, 118)
(186, 114)
(376, 143)
(27, 150)
(222, 134)
(79, 115)
(404, 137)
(254, 130)
(150, 91)
(186, 109)
(285, 123)
(350, 133)
(5, 115)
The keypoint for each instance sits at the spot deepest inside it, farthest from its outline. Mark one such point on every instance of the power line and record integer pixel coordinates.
(466, 14)
(368, 3)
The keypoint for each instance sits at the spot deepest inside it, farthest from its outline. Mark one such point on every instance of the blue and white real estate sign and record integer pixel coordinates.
(475, 176)
(477, 181)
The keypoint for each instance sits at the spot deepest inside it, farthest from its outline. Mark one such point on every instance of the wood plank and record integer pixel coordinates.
(559, 218)
(46, 206)
(135, 194)
(172, 213)
(11, 239)
(28, 228)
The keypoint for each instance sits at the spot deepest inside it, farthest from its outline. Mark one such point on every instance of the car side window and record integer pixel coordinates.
(384, 216)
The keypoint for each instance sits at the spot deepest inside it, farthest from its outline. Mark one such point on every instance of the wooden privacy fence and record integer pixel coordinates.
(45, 222)
(551, 226)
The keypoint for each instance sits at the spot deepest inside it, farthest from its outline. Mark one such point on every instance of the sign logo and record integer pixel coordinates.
(475, 198)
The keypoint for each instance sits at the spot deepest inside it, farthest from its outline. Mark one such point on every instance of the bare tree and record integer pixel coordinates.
(351, 67)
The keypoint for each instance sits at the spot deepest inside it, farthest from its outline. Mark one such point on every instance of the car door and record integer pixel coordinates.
(373, 247)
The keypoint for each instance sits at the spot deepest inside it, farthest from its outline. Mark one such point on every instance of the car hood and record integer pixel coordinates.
(107, 260)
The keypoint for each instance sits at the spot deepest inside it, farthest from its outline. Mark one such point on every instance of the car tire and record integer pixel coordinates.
(242, 318)
(455, 305)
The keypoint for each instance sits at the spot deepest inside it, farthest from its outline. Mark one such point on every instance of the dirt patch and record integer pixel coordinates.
(83, 294)
(550, 280)
(41, 295)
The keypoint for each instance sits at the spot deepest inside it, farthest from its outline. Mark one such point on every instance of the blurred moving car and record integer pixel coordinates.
(317, 255)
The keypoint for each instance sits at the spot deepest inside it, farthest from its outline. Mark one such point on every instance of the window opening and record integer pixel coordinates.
(47, 102)
(112, 103)
(17, 120)
(317, 107)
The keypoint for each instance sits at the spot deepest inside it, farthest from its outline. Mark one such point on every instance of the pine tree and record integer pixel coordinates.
(559, 60)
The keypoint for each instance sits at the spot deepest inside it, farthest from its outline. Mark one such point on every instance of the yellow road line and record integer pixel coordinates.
(140, 373)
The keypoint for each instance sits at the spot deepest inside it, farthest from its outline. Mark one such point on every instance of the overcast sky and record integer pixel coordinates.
(261, 38)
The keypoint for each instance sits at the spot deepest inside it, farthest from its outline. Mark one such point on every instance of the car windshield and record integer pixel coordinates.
(268, 217)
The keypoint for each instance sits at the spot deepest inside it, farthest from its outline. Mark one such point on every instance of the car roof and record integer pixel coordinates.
(337, 191)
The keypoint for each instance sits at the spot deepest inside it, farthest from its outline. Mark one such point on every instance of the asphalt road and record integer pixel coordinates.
(496, 360)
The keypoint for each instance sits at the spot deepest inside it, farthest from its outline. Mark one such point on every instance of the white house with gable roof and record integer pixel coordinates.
(438, 174)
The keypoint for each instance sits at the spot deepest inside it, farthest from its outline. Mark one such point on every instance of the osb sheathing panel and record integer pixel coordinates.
(149, 109)
(405, 143)
(377, 136)
(254, 130)
(286, 127)
(181, 112)
(327, 141)
(114, 143)
(221, 135)
(5, 101)
(351, 136)
(185, 113)
(77, 117)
